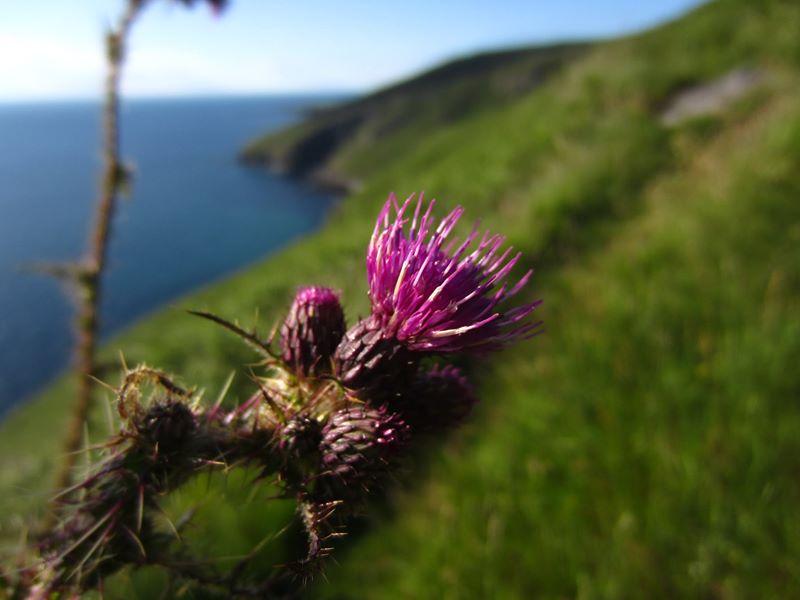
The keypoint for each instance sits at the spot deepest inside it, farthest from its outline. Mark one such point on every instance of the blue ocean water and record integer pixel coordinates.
(195, 214)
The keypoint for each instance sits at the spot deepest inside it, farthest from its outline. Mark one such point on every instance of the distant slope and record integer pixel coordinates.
(648, 444)
(334, 144)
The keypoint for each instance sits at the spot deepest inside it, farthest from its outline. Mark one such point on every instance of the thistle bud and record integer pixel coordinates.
(358, 442)
(300, 437)
(372, 365)
(312, 330)
(167, 425)
(436, 400)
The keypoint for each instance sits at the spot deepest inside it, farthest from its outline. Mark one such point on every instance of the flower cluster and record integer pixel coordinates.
(366, 391)
(333, 409)
(432, 295)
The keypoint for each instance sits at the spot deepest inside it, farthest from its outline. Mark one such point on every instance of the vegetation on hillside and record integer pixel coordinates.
(648, 443)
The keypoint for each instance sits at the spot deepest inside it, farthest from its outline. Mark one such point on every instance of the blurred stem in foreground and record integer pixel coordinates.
(88, 276)
(114, 176)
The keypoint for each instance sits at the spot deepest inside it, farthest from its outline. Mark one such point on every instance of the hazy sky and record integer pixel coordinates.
(51, 48)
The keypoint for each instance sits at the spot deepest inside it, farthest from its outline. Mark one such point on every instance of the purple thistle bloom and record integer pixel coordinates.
(436, 295)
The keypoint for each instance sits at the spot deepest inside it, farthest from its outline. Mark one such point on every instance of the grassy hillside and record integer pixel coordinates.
(648, 444)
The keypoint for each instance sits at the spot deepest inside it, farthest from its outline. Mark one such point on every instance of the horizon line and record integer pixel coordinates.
(200, 95)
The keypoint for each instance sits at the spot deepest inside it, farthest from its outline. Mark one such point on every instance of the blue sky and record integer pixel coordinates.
(51, 48)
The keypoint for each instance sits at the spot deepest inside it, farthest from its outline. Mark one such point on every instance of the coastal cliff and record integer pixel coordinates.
(335, 146)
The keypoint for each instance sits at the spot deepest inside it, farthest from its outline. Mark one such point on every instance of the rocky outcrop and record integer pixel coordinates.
(711, 97)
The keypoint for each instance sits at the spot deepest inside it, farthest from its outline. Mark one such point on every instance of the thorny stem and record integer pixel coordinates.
(268, 588)
(165, 438)
(158, 448)
(93, 267)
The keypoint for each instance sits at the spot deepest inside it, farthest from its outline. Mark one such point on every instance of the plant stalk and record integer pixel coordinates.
(91, 273)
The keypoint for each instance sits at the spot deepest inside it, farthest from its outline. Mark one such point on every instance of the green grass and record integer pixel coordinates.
(648, 444)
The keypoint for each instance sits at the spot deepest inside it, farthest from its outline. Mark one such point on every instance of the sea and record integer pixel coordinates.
(194, 214)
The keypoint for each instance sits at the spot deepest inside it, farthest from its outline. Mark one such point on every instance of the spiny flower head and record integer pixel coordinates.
(436, 295)
(438, 399)
(359, 441)
(371, 365)
(167, 425)
(312, 330)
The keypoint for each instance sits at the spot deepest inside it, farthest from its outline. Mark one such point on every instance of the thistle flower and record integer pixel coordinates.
(312, 330)
(438, 399)
(359, 441)
(435, 295)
